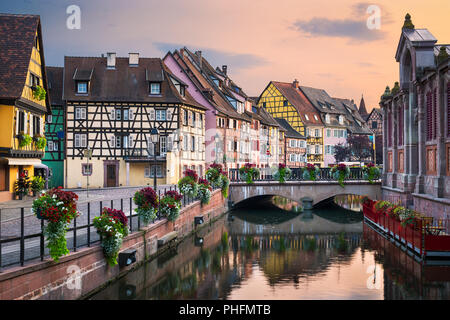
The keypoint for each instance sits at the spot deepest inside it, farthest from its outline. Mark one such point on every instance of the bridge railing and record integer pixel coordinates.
(297, 175)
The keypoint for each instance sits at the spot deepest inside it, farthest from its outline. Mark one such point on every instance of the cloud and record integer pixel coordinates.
(344, 28)
(218, 57)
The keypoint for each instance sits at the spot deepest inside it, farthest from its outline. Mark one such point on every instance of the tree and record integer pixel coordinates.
(358, 148)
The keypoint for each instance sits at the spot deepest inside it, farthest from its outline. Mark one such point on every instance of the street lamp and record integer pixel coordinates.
(154, 134)
(88, 155)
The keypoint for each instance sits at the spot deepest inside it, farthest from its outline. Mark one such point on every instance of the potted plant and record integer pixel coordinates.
(310, 172)
(112, 226)
(40, 142)
(58, 207)
(37, 184)
(147, 201)
(340, 172)
(39, 92)
(24, 139)
(371, 172)
(170, 205)
(22, 185)
(282, 173)
(204, 191)
(188, 184)
(249, 172)
(218, 178)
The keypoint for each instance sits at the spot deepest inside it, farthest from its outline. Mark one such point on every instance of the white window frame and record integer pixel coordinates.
(154, 86)
(50, 145)
(161, 114)
(85, 87)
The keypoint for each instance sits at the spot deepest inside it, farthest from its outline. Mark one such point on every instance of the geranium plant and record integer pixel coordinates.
(188, 184)
(112, 226)
(217, 177)
(282, 173)
(147, 201)
(371, 172)
(249, 172)
(310, 172)
(59, 208)
(204, 191)
(170, 205)
(22, 185)
(340, 172)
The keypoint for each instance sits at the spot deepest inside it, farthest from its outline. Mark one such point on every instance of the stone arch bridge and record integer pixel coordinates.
(307, 192)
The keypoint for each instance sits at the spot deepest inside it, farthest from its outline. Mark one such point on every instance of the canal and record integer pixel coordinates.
(279, 251)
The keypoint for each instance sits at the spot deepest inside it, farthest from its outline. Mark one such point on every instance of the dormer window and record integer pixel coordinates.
(82, 87)
(327, 118)
(315, 117)
(306, 116)
(155, 88)
(182, 91)
(341, 120)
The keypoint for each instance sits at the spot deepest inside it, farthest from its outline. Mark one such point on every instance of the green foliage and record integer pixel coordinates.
(24, 140)
(22, 185)
(41, 142)
(37, 184)
(55, 233)
(188, 186)
(249, 172)
(39, 93)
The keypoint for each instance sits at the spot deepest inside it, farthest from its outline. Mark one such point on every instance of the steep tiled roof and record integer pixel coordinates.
(321, 100)
(300, 103)
(124, 83)
(17, 35)
(356, 124)
(55, 84)
(290, 132)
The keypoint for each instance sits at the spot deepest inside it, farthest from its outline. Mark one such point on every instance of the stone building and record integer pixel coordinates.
(416, 125)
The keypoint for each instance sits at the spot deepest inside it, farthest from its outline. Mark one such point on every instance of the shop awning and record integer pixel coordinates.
(23, 162)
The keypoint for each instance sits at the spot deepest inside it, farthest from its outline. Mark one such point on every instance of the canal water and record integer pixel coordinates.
(280, 251)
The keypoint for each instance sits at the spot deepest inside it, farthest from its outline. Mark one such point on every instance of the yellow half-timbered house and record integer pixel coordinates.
(23, 99)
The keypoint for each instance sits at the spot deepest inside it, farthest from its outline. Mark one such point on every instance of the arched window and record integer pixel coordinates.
(406, 70)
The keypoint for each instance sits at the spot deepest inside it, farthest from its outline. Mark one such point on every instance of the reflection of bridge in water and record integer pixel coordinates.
(305, 223)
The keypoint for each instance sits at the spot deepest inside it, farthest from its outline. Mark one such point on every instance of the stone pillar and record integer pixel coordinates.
(394, 107)
(421, 128)
(384, 110)
(441, 169)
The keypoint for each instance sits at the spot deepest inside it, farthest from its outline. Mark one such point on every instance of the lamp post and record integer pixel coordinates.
(88, 154)
(155, 137)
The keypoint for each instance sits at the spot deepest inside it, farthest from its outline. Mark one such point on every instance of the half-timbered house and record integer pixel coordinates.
(54, 129)
(23, 99)
(112, 104)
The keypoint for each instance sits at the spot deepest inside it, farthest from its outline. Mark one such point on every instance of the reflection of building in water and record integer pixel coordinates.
(349, 201)
(286, 204)
(404, 277)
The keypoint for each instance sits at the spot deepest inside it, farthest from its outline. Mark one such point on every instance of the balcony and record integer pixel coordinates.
(141, 155)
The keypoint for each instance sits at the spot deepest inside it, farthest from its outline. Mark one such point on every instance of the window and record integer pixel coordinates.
(82, 87)
(315, 117)
(374, 125)
(185, 118)
(193, 118)
(186, 142)
(34, 80)
(49, 118)
(55, 146)
(192, 143)
(80, 113)
(317, 150)
(125, 114)
(161, 115)
(80, 140)
(86, 169)
(292, 143)
(163, 144)
(327, 118)
(118, 114)
(148, 174)
(328, 132)
(317, 133)
(182, 91)
(36, 121)
(118, 141)
(306, 116)
(50, 146)
(155, 88)
(285, 103)
(341, 119)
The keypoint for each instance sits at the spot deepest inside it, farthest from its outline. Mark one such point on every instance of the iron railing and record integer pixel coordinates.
(28, 241)
(297, 175)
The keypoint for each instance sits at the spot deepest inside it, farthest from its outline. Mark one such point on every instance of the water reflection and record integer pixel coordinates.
(349, 201)
(283, 256)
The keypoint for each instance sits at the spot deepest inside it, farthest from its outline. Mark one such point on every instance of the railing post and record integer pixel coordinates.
(22, 239)
(131, 215)
(89, 224)
(42, 240)
(75, 234)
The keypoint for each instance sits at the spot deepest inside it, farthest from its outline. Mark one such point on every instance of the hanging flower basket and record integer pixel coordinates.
(112, 226)
(371, 172)
(340, 172)
(170, 205)
(204, 191)
(59, 208)
(282, 173)
(147, 201)
(249, 172)
(217, 177)
(310, 172)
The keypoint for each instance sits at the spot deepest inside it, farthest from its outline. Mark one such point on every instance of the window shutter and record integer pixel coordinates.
(320, 149)
(112, 141)
(169, 115)
(429, 119)
(77, 141)
(41, 127)
(25, 126)
(17, 121)
(130, 141)
(434, 113)
(130, 114)
(112, 114)
(31, 124)
(152, 114)
(169, 143)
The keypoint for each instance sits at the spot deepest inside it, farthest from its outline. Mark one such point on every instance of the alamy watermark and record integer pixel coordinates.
(374, 20)
(74, 19)
(74, 279)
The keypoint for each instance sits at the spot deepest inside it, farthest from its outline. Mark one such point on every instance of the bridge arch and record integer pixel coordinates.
(318, 191)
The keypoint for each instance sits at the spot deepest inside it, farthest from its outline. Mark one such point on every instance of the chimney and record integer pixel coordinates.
(199, 55)
(111, 60)
(224, 69)
(295, 84)
(133, 59)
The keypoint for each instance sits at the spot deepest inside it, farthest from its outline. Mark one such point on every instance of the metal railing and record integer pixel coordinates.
(297, 175)
(28, 241)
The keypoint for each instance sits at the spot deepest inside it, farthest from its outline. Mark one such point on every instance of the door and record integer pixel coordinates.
(111, 175)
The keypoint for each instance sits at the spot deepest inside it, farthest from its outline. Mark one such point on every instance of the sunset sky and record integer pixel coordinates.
(324, 44)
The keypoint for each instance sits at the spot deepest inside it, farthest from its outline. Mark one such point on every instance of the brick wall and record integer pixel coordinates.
(50, 280)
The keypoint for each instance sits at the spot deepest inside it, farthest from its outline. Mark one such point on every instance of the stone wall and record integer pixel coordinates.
(80, 272)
